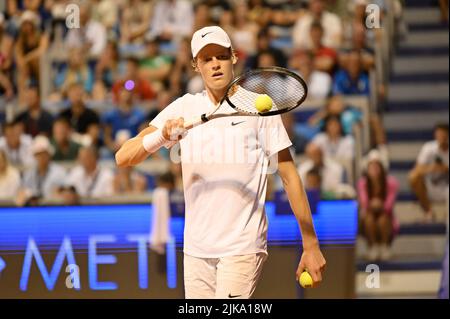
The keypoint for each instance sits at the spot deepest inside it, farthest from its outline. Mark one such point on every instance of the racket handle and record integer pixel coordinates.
(194, 122)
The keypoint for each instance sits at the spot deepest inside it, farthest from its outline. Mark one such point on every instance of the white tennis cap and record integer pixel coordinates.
(209, 35)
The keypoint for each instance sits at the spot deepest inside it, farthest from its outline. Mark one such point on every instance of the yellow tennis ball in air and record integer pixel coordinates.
(305, 280)
(263, 103)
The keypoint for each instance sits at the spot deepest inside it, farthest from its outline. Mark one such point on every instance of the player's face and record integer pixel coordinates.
(215, 64)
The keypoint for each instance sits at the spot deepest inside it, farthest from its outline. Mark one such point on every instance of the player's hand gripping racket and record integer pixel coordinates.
(259, 92)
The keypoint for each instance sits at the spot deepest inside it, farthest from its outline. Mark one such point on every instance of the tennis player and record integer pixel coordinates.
(225, 182)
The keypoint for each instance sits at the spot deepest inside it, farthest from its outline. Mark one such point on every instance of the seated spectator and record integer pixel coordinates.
(333, 142)
(9, 178)
(7, 36)
(34, 119)
(69, 196)
(352, 79)
(377, 192)
(216, 9)
(202, 17)
(31, 44)
(260, 12)
(429, 177)
(76, 71)
(183, 77)
(128, 181)
(135, 21)
(43, 179)
(91, 37)
(359, 43)
(66, 149)
(244, 33)
(348, 115)
(106, 70)
(264, 44)
(81, 118)
(17, 145)
(88, 177)
(155, 67)
(331, 24)
(298, 141)
(6, 86)
(331, 172)
(325, 58)
(172, 20)
(106, 12)
(133, 80)
(319, 83)
(126, 116)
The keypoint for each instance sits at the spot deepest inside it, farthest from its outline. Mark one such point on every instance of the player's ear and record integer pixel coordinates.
(234, 58)
(195, 65)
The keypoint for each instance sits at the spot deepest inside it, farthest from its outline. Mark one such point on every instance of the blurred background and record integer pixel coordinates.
(78, 78)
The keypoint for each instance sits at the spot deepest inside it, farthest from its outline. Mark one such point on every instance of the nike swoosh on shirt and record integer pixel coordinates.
(236, 123)
(230, 296)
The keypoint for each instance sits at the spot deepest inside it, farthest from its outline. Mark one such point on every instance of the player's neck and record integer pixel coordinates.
(215, 95)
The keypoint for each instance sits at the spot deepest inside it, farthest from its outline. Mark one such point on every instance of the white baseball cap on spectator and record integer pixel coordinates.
(30, 16)
(42, 144)
(374, 155)
(209, 35)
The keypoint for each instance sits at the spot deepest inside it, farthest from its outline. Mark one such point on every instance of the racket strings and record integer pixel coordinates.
(285, 91)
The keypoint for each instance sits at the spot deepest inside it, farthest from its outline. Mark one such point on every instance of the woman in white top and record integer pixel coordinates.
(333, 142)
(9, 178)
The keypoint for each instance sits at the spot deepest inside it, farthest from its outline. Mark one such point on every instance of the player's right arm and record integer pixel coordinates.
(132, 152)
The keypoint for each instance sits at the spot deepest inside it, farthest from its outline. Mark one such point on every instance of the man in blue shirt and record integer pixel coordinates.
(352, 80)
(123, 117)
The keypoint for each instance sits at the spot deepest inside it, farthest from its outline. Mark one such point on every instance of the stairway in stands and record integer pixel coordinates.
(418, 98)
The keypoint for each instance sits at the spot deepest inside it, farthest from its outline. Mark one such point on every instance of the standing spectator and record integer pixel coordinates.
(331, 24)
(9, 178)
(333, 142)
(172, 20)
(81, 118)
(66, 149)
(429, 177)
(160, 230)
(44, 179)
(124, 117)
(352, 79)
(30, 46)
(34, 118)
(88, 177)
(377, 192)
(319, 83)
(17, 145)
(91, 37)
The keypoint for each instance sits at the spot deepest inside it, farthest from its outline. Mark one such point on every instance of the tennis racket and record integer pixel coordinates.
(286, 89)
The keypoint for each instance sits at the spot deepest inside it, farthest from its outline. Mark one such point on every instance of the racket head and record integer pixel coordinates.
(286, 89)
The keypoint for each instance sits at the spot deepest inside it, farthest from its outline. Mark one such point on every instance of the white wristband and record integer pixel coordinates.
(154, 141)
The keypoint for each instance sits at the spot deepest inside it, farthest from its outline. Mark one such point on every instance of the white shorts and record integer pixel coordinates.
(227, 277)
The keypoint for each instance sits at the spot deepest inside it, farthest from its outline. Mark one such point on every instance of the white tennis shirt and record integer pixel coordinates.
(224, 167)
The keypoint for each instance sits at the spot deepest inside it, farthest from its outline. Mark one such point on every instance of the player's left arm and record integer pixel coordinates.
(312, 258)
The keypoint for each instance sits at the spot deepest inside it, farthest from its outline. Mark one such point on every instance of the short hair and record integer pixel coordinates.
(92, 149)
(441, 126)
(62, 119)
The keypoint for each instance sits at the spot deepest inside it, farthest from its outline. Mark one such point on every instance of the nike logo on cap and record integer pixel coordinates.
(204, 35)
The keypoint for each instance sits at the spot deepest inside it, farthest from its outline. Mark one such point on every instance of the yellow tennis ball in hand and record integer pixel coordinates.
(305, 280)
(263, 103)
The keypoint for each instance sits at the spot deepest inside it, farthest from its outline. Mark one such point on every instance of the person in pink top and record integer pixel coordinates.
(377, 192)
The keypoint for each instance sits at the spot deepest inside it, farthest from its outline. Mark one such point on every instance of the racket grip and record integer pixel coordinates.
(193, 122)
